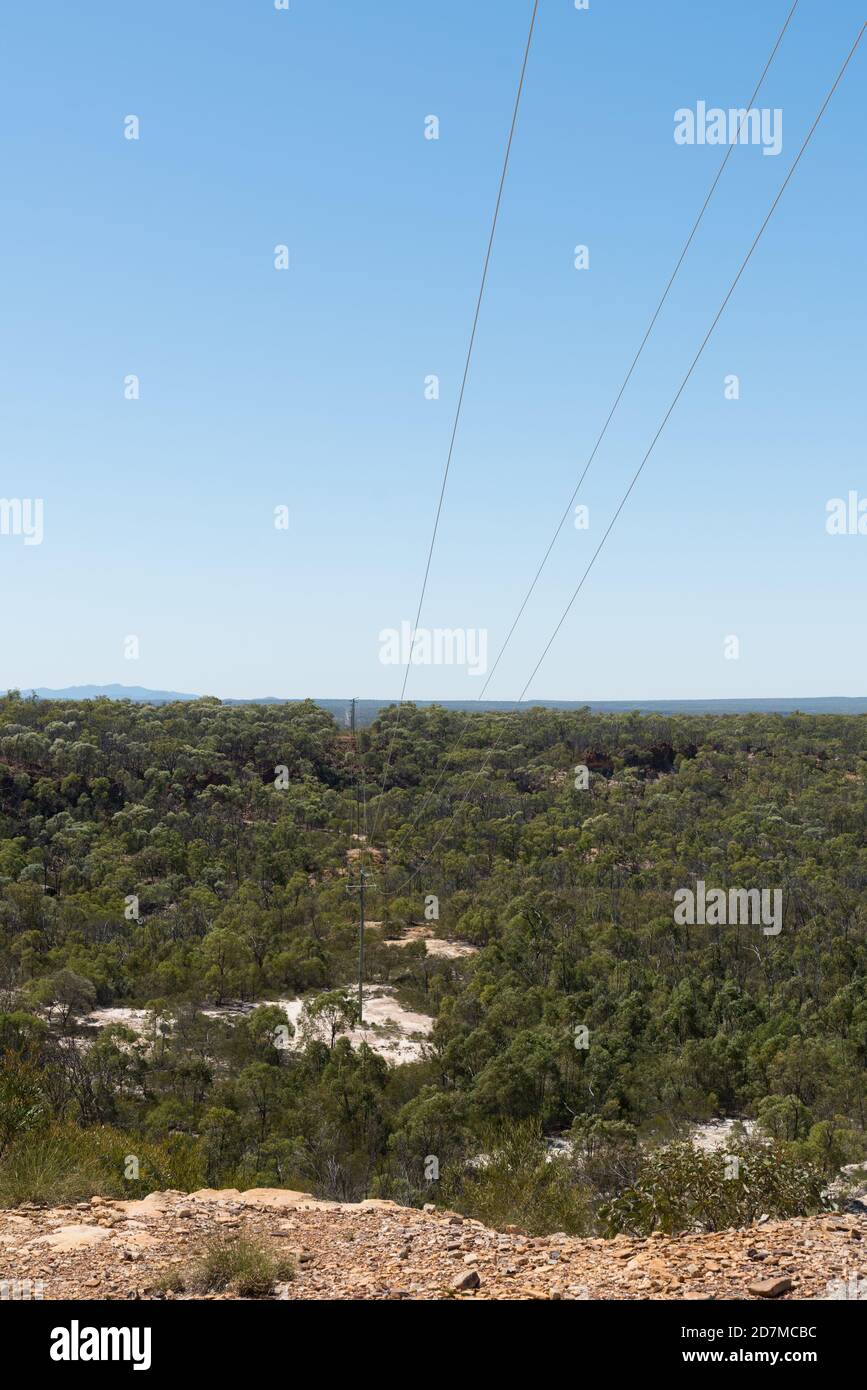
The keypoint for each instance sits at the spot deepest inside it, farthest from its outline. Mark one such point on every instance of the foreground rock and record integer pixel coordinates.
(377, 1250)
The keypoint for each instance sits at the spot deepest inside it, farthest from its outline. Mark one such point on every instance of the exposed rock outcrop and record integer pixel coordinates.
(377, 1250)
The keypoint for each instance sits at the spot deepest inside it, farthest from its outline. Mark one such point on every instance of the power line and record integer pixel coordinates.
(460, 402)
(653, 442)
(363, 881)
(671, 279)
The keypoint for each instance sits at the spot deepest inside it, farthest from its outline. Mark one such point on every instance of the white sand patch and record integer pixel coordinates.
(230, 1013)
(435, 945)
(715, 1135)
(389, 1029)
(140, 1021)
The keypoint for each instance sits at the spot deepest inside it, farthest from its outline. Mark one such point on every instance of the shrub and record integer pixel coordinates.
(22, 1103)
(515, 1182)
(606, 1153)
(61, 1163)
(240, 1266)
(831, 1144)
(681, 1188)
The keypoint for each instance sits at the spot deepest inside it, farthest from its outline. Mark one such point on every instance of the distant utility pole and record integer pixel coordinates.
(362, 876)
(361, 947)
(363, 883)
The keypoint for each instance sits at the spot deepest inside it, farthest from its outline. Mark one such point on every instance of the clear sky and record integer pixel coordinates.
(305, 388)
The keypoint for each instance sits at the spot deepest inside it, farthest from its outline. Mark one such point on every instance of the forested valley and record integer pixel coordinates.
(196, 863)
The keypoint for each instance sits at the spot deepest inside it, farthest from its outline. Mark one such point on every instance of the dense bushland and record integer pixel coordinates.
(153, 856)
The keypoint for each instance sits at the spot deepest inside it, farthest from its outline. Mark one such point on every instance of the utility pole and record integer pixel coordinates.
(364, 882)
(362, 876)
(361, 948)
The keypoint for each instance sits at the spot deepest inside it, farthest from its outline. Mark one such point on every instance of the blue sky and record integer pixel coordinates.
(305, 388)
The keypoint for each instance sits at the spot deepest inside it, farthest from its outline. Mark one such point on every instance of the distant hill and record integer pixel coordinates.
(110, 692)
(367, 710)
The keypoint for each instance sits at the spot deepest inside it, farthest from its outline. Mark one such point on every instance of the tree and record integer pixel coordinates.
(226, 958)
(64, 995)
(329, 1014)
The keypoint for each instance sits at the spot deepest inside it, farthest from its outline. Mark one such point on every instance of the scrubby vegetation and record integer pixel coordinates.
(679, 1188)
(244, 1267)
(156, 857)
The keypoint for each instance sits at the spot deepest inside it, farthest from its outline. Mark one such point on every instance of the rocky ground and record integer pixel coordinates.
(376, 1250)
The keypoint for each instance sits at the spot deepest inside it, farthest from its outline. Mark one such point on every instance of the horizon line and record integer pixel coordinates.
(101, 690)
